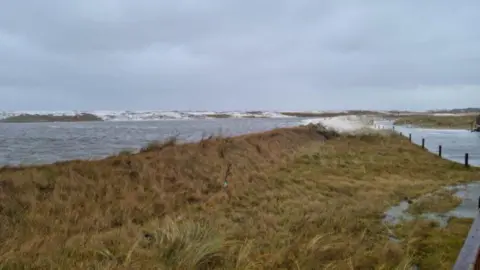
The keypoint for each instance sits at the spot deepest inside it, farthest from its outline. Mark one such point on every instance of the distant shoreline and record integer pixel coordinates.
(37, 118)
(73, 116)
(437, 121)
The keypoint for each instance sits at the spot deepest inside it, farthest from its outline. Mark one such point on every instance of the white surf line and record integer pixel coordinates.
(345, 124)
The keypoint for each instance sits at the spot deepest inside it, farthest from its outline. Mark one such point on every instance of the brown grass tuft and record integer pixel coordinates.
(160, 145)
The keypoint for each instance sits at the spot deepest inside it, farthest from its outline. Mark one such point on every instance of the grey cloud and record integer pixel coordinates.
(219, 54)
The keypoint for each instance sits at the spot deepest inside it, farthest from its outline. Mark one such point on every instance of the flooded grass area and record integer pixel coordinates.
(459, 201)
(435, 225)
(437, 202)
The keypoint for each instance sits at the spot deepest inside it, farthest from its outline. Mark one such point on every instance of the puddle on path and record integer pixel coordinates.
(468, 208)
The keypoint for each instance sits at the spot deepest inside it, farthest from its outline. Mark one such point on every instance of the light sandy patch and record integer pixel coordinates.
(346, 124)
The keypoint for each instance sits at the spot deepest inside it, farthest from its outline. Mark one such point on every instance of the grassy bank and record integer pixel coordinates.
(32, 118)
(285, 199)
(431, 121)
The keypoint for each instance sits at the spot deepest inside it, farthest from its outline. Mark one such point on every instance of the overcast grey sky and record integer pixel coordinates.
(242, 54)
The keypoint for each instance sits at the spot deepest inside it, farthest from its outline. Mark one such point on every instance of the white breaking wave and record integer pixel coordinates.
(107, 115)
(345, 123)
(257, 114)
(178, 115)
(141, 115)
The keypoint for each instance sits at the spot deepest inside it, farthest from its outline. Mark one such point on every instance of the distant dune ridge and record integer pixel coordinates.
(152, 115)
(143, 115)
(29, 118)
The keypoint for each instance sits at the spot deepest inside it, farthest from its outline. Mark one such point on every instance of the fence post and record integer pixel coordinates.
(410, 137)
(440, 150)
(423, 143)
(466, 160)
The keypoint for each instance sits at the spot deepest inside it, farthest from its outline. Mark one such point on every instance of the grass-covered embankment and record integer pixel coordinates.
(433, 121)
(33, 118)
(294, 198)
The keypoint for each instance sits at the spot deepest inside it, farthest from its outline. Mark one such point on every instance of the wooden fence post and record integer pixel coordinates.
(410, 137)
(466, 160)
(440, 150)
(423, 143)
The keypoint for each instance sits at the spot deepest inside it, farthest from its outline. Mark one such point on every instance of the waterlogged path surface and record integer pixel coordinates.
(40, 143)
(467, 209)
(455, 142)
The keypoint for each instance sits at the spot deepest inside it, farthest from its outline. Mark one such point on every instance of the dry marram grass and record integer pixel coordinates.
(294, 198)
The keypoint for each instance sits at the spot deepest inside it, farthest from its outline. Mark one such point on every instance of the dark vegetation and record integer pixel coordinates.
(460, 110)
(219, 115)
(31, 118)
(434, 121)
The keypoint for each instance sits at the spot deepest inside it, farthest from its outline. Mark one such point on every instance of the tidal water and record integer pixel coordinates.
(40, 143)
(455, 142)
